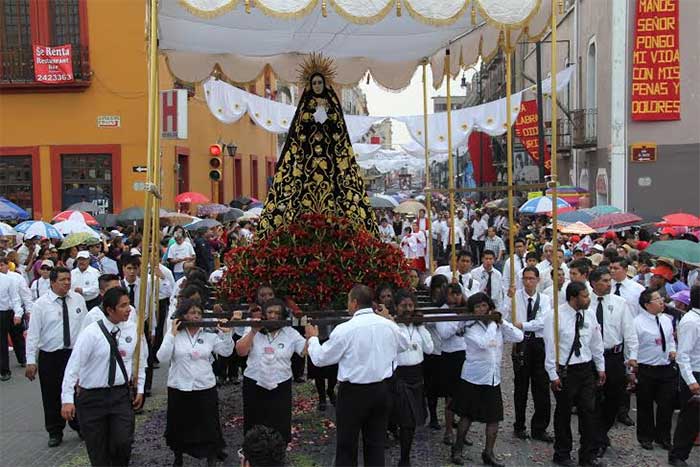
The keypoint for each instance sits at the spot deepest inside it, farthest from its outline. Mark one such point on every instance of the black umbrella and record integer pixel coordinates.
(134, 214)
(232, 215)
(204, 224)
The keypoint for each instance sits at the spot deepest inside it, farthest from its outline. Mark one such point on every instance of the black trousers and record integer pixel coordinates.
(361, 408)
(16, 332)
(610, 397)
(298, 362)
(51, 368)
(107, 421)
(578, 388)
(163, 306)
(528, 368)
(655, 384)
(688, 424)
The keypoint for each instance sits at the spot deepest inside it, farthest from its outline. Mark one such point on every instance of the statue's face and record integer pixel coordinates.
(317, 85)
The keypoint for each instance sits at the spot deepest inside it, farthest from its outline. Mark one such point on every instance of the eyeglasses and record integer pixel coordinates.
(45, 268)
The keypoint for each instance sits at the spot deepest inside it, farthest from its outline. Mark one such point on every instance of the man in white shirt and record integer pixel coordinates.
(101, 364)
(84, 280)
(520, 261)
(42, 284)
(386, 231)
(490, 278)
(470, 286)
(571, 374)
(545, 266)
(620, 344)
(494, 243)
(26, 254)
(688, 359)
(56, 321)
(364, 349)
(459, 228)
(25, 295)
(10, 316)
(656, 377)
(479, 228)
(531, 309)
(178, 253)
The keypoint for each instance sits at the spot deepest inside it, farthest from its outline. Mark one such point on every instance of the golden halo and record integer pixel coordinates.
(317, 63)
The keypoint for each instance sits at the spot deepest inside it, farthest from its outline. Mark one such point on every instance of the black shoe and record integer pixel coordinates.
(665, 445)
(322, 406)
(331, 397)
(55, 440)
(677, 462)
(23, 364)
(147, 393)
(489, 459)
(5, 377)
(521, 434)
(595, 462)
(434, 424)
(447, 439)
(625, 419)
(648, 445)
(544, 437)
(178, 462)
(564, 462)
(456, 458)
(299, 380)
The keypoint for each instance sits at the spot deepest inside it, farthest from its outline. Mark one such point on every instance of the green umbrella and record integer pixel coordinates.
(76, 239)
(681, 250)
(601, 210)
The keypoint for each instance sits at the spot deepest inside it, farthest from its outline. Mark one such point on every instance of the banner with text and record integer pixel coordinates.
(526, 129)
(656, 75)
(53, 65)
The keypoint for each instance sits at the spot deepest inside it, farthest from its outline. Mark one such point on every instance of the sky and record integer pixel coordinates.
(407, 102)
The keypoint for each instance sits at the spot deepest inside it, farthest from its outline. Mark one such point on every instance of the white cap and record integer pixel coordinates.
(115, 233)
(47, 262)
(134, 252)
(598, 247)
(83, 254)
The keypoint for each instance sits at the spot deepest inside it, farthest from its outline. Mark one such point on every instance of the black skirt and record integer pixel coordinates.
(272, 408)
(433, 376)
(193, 424)
(452, 371)
(478, 402)
(408, 404)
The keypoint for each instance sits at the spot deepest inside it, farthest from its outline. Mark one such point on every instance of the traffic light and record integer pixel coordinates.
(215, 162)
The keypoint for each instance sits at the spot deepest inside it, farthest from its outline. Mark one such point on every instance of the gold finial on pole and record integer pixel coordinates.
(428, 196)
(324, 9)
(398, 7)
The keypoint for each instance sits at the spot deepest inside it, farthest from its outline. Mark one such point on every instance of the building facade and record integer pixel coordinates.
(86, 140)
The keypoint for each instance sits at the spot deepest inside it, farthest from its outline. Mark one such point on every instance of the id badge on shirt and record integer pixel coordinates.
(122, 352)
(269, 352)
(657, 341)
(194, 355)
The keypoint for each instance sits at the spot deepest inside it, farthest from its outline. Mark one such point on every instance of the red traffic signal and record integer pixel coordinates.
(215, 162)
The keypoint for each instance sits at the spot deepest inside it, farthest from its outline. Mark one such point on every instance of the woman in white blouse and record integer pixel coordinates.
(479, 395)
(267, 382)
(408, 410)
(193, 406)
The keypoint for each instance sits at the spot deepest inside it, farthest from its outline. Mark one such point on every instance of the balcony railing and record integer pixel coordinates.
(17, 69)
(584, 132)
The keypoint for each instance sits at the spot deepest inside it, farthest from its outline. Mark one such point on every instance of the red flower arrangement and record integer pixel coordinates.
(316, 260)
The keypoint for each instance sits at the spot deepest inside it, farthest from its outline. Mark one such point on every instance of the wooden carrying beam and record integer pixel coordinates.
(329, 313)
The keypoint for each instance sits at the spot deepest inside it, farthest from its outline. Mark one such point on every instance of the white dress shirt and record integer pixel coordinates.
(451, 335)
(9, 296)
(270, 357)
(25, 295)
(545, 268)
(166, 284)
(39, 287)
(364, 348)
(179, 251)
(419, 342)
(484, 343)
(589, 336)
(521, 303)
(549, 291)
(86, 280)
(46, 326)
(387, 233)
(650, 344)
(482, 276)
(630, 291)
(189, 357)
(479, 228)
(688, 356)
(518, 273)
(88, 365)
(693, 277)
(618, 324)
(465, 280)
(97, 314)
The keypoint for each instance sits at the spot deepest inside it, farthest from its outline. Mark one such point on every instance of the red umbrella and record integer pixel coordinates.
(191, 197)
(78, 216)
(614, 219)
(681, 219)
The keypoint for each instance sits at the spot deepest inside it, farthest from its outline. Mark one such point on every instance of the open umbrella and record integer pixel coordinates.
(191, 197)
(682, 250)
(71, 227)
(541, 205)
(410, 207)
(6, 230)
(107, 220)
(254, 211)
(381, 202)
(576, 216)
(11, 212)
(134, 214)
(212, 208)
(602, 209)
(203, 224)
(577, 228)
(681, 219)
(85, 207)
(75, 216)
(38, 229)
(76, 239)
(176, 218)
(615, 219)
(232, 215)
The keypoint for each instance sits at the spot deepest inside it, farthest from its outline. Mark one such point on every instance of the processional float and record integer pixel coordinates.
(452, 42)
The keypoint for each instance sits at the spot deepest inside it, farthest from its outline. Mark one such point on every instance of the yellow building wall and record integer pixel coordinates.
(118, 87)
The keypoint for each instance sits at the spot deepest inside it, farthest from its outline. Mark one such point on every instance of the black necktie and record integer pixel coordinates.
(522, 265)
(617, 288)
(599, 315)
(488, 284)
(530, 311)
(663, 336)
(132, 298)
(66, 324)
(461, 279)
(112, 360)
(577, 336)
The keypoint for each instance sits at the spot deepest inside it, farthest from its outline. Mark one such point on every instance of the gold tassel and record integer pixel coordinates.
(398, 7)
(473, 15)
(247, 6)
(561, 7)
(324, 10)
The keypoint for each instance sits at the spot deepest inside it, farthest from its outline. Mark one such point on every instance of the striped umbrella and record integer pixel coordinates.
(542, 205)
(7, 230)
(38, 229)
(76, 216)
(11, 212)
(71, 227)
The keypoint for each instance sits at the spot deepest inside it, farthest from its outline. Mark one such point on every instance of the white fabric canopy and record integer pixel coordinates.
(360, 35)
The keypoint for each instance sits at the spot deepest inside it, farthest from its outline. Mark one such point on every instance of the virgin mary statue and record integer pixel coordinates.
(317, 171)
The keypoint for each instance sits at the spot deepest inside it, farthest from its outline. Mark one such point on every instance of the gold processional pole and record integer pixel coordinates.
(450, 168)
(152, 158)
(554, 180)
(154, 252)
(509, 159)
(428, 196)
